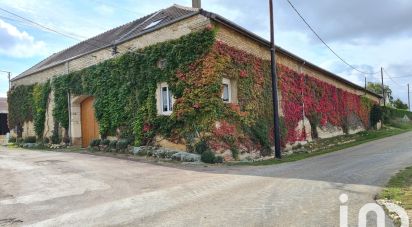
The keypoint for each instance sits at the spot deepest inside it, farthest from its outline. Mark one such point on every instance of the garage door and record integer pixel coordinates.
(90, 128)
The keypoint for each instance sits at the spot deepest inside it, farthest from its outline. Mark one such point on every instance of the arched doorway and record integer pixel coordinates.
(89, 125)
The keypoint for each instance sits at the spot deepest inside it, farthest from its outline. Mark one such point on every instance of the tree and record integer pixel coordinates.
(377, 88)
(398, 104)
(375, 115)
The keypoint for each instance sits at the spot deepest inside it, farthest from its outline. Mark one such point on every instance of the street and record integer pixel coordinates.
(43, 188)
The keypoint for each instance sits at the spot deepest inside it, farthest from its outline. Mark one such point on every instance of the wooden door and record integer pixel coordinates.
(90, 128)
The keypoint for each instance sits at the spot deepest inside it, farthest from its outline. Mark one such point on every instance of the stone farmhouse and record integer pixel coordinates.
(180, 75)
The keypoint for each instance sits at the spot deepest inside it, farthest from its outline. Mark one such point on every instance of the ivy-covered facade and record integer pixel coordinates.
(199, 87)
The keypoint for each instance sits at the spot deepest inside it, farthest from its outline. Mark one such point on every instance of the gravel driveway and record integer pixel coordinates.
(70, 189)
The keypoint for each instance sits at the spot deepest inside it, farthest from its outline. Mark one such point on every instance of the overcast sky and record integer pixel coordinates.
(368, 33)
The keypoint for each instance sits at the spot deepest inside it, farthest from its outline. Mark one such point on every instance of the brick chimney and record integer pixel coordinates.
(196, 4)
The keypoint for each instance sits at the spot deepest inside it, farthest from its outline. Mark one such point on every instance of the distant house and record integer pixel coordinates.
(182, 75)
(4, 129)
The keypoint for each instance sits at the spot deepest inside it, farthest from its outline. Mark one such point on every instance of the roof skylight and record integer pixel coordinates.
(154, 23)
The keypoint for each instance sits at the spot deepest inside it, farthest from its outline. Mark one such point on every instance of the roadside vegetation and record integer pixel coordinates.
(323, 146)
(398, 191)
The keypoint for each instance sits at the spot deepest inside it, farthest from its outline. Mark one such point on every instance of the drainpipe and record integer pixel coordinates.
(69, 108)
(303, 101)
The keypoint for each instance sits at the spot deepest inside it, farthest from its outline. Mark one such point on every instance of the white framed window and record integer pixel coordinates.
(166, 100)
(227, 90)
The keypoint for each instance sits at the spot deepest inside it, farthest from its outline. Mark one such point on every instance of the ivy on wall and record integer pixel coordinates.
(125, 101)
(124, 87)
(20, 104)
(320, 102)
(28, 103)
(40, 100)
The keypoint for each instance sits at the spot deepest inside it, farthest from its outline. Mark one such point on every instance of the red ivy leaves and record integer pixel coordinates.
(242, 74)
(303, 95)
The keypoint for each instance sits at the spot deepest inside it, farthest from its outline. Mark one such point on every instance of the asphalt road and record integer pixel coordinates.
(70, 189)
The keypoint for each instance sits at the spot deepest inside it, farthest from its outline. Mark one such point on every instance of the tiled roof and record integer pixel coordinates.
(114, 36)
(3, 105)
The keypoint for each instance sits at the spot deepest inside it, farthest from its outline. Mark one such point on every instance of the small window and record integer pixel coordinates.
(154, 23)
(166, 99)
(161, 64)
(226, 93)
(225, 96)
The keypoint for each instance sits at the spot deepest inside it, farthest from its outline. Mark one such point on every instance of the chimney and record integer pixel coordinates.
(196, 4)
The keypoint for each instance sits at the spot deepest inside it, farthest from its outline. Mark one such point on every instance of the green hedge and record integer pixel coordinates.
(392, 113)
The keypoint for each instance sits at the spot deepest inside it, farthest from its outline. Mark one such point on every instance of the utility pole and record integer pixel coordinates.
(409, 100)
(9, 76)
(383, 88)
(365, 82)
(276, 129)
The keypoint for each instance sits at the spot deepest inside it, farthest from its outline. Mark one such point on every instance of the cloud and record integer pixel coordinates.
(18, 43)
(351, 20)
(104, 10)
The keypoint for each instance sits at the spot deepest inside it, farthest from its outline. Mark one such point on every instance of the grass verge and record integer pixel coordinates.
(324, 146)
(398, 191)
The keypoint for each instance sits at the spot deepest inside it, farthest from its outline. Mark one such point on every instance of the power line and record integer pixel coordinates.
(390, 77)
(71, 36)
(39, 25)
(402, 76)
(330, 48)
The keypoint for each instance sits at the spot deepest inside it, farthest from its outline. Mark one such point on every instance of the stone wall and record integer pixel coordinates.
(174, 31)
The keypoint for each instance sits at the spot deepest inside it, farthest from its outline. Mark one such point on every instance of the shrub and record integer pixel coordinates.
(19, 140)
(95, 143)
(12, 139)
(201, 147)
(105, 142)
(112, 145)
(122, 145)
(55, 138)
(46, 140)
(375, 115)
(399, 123)
(218, 159)
(30, 139)
(235, 153)
(208, 157)
(389, 113)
